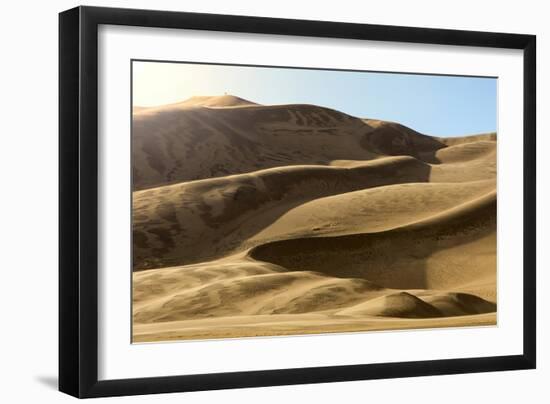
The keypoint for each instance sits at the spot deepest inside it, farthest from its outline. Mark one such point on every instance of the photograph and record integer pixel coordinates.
(250, 201)
(271, 201)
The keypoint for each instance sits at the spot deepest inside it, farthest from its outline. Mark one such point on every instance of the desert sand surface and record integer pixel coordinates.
(255, 220)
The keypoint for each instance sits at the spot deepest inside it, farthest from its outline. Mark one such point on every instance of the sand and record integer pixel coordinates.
(252, 220)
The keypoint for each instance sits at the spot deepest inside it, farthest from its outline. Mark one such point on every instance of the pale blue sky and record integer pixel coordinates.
(434, 105)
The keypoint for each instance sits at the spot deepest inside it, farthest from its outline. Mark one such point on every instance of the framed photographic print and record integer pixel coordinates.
(251, 201)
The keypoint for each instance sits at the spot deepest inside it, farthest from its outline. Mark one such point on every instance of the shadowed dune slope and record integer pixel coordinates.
(389, 138)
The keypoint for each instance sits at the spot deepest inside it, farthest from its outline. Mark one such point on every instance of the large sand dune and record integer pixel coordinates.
(292, 219)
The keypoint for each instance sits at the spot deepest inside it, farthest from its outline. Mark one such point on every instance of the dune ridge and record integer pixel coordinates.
(296, 219)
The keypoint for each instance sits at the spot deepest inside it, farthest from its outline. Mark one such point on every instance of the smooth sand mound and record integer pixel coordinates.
(400, 304)
(463, 152)
(424, 305)
(459, 304)
(372, 210)
(464, 163)
(453, 141)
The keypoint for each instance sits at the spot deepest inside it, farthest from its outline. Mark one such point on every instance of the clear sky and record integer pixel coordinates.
(434, 105)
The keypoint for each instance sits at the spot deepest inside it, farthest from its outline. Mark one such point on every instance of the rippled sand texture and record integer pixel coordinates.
(293, 219)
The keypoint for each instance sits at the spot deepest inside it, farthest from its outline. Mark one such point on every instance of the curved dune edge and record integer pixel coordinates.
(374, 210)
(397, 258)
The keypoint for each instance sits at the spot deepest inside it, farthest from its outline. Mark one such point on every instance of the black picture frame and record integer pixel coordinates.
(78, 201)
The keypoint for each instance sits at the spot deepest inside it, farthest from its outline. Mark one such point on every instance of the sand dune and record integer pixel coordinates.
(183, 143)
(372, 210)
(272, 220)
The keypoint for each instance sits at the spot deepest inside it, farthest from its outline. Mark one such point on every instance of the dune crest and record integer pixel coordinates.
(217, 101)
